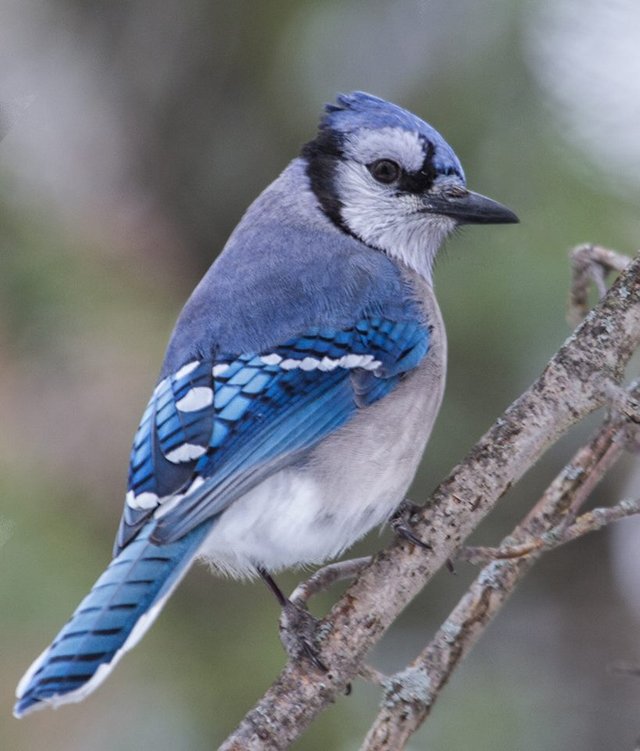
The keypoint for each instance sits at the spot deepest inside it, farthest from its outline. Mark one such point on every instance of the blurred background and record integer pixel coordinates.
(152, 127)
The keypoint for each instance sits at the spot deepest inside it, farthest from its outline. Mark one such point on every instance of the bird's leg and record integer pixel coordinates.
(400, 523)
(297, 626)
(275, 589)
(298, 631)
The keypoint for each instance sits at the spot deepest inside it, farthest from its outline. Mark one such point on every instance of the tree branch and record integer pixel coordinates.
(592, 521)
(572, 385)
(411, 694)
(323, 578)
(590, 263)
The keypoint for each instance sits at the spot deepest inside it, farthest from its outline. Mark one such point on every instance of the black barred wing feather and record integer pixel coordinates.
(215, 429)
(174, 431)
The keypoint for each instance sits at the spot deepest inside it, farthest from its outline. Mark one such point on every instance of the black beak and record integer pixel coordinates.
(468, 208)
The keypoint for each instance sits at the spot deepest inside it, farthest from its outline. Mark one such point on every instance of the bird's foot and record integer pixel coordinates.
(298, 628)
(400, 523)
(298, 634)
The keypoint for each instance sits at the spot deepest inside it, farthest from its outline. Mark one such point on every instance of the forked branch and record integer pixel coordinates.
(548, 525)
(579, 379)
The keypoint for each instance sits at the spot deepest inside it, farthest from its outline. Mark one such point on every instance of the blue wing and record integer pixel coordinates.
(218, 426)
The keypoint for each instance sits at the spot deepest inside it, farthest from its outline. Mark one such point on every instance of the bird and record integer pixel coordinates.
(299, 387)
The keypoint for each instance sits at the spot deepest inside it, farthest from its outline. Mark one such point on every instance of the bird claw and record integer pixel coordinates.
(298, 631)
(400, 523)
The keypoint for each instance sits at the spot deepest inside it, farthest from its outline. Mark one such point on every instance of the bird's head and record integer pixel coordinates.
(390, 179)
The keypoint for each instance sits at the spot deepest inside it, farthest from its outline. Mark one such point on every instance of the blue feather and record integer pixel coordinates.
(361, 110)
(103, 626)
(254, 400)
(271, 415)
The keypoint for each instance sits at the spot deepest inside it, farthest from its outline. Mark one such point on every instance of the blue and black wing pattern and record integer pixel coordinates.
(174, 431)
(217, 427)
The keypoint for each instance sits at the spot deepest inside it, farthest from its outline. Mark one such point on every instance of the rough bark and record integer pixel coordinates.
(577, 381)
(411, 694)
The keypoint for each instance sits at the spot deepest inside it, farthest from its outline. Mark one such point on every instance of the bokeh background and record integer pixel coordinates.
(152, 127)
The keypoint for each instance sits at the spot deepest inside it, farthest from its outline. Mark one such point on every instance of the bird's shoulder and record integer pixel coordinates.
(285, 269)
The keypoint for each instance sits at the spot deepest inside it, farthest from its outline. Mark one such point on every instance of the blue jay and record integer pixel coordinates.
(299, 387)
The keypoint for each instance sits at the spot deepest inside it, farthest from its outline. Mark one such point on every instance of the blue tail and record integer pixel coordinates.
(110, 620)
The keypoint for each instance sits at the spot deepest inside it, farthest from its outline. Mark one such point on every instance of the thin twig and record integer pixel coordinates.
(323, 578)
(590, 263)
(592, 521)
(372, 675)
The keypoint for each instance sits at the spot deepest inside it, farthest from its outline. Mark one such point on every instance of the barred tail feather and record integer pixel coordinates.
(110, 621)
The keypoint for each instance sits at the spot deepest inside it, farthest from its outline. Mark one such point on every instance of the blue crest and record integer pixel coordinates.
(359, 110)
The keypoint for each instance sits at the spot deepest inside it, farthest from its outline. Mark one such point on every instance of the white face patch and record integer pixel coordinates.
(403, 146)
(392, 222)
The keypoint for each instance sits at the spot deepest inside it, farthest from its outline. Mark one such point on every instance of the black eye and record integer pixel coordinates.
(385, 170)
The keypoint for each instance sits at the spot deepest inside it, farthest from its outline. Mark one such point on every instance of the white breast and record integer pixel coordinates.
(350, 483)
